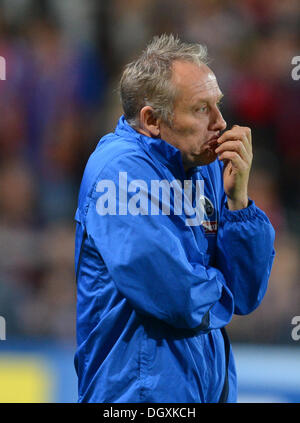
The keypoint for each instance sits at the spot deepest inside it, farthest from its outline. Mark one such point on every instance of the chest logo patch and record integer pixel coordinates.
(209, 223)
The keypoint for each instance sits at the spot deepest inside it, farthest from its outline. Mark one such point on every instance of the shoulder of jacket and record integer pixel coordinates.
(106, 158)
(111, 149)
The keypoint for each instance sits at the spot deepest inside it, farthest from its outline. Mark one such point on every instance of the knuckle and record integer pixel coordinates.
(240, 145)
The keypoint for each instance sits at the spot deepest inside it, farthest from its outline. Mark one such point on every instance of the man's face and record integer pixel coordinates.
(197, 120)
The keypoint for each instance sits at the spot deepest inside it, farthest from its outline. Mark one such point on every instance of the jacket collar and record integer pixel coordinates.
(166, 153)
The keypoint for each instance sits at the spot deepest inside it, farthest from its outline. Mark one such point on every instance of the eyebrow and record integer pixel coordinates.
(219, 98)
(207, 100)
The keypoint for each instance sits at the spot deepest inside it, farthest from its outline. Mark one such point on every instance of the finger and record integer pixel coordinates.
(236, 132)
(237, 146)
(234, 158)
(240, 136)
(232, 134)
(248, 134)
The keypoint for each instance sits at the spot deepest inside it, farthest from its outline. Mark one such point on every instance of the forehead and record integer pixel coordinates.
(194, 82)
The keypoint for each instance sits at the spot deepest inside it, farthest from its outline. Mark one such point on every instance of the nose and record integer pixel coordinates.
(217, 123)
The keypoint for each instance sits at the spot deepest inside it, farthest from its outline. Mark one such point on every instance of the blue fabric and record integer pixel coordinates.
(153, 292)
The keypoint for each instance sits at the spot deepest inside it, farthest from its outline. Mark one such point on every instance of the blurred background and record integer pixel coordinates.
(63, 62)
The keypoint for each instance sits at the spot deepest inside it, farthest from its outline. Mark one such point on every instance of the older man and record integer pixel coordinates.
(168, 244)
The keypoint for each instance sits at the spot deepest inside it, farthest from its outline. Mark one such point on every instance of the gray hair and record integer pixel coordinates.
(147, 80)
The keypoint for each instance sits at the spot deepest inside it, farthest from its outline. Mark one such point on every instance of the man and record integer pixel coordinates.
(161, 265)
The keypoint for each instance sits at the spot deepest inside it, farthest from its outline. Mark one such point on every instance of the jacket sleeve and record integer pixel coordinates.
(154, 260)
(245, 254)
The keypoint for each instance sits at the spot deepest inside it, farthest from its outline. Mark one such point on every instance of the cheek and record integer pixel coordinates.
(189, 127)
(196, 135)
(187, 134)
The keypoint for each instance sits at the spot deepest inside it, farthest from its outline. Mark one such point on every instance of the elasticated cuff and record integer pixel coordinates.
(240, 215)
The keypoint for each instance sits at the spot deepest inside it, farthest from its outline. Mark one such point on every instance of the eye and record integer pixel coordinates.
(220, 104)
(202, 109)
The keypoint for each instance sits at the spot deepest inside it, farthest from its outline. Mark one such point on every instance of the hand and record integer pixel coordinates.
(235, 150)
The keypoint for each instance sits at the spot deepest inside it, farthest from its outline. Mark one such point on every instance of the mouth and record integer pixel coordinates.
(212, 143)
(213, 140)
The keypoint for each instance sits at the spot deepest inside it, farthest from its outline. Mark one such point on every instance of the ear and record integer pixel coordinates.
(149, 124)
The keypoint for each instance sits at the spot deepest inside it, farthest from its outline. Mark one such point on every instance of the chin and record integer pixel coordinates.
(202, 159)
(205, 158)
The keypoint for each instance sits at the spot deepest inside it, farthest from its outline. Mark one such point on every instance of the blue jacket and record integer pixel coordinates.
(153, 292)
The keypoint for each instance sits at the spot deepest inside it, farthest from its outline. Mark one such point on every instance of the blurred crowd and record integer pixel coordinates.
(63, 62)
